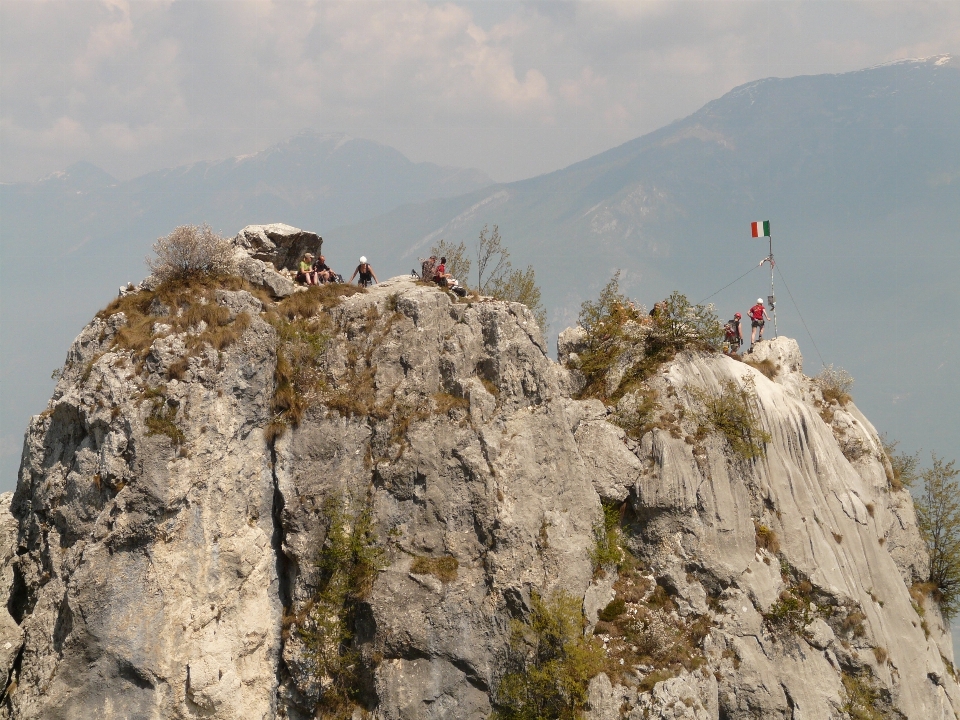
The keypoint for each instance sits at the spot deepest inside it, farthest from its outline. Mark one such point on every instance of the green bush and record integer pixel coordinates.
(549, 663)
(904, 469)
(348, 564)
(938, 515)
(611, 324)
(680, 324)
(614, 609)
(606, 534)
(733, 414)
(615, 325)
(862, 697)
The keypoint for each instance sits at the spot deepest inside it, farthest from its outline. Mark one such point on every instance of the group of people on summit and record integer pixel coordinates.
(316, 272)
(733, 332)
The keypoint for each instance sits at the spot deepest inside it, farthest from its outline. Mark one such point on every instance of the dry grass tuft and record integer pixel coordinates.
(443, 568)
(765, 367)
(445, 402)
(766, 538)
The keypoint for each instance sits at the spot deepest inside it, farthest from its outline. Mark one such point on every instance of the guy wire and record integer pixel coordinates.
(733, 283)
(809, 334)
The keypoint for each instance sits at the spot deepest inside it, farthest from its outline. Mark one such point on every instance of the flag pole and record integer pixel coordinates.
(773, 297)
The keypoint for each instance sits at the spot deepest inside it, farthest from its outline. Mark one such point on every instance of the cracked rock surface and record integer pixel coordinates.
(152, 575)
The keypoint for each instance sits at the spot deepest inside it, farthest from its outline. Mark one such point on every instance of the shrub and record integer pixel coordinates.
(348, 565)
(606, 533)
(162, 421)
(903, 467)
(549, 663)
(732, 413)
(493, 260)
(938, 515)
(614, 325)
(521, 286)
(191, 251)
(614, 609)
(680, 324)
(863, 697)
(835, 384)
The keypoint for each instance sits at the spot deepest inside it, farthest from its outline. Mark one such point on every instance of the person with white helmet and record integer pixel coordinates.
(758, 314)
(366, 273)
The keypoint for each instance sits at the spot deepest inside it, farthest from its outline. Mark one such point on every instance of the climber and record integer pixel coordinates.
(306, 274)
(733, 334)
(440, 274)
(366, 273)
(427, 268)
(324, 272)
(758, 314)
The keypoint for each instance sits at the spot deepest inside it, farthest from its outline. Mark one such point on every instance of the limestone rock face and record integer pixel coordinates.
(162, 550)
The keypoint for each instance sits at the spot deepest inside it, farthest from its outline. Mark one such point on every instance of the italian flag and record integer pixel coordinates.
(760, 228)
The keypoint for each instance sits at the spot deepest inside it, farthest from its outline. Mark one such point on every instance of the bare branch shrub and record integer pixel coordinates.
(493, 260)
(835, 384)
(191, 251)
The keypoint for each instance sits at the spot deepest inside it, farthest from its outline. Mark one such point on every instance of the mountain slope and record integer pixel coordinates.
(859, 174)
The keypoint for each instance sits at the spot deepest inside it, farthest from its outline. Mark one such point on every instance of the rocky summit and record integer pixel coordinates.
(249, 501)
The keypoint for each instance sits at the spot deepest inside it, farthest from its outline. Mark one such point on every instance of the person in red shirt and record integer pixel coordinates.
(440, 274)
(758, 314)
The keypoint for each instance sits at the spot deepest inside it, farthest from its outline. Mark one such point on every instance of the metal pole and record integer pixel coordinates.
(773, 297)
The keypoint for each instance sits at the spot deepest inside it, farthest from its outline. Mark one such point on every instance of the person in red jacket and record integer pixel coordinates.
(758, 314)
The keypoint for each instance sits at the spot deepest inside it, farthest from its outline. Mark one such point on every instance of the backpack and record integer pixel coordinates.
(426, 270)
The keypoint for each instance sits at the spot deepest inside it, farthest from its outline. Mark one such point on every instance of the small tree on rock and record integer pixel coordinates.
(493, 260)
(938, 515)
(191, 251)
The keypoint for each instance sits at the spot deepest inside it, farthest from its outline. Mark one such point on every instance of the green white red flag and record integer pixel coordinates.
(760, 228)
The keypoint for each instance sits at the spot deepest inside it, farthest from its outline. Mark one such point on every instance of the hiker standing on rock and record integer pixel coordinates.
(365, 272)
(733, 333)
(758, 314)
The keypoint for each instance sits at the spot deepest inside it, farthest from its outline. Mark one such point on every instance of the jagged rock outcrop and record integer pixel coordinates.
(172, 510)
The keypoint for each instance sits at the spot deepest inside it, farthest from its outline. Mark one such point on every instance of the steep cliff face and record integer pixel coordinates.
(169, 550)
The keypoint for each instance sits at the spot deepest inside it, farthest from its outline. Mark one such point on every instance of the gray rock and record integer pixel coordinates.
(279, 244)
(152, 576)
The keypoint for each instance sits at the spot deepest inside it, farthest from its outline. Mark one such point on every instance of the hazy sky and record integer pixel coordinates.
(513, 88)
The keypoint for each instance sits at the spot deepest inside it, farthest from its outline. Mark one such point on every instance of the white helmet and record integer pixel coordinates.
(363, 259)
(759, 301)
